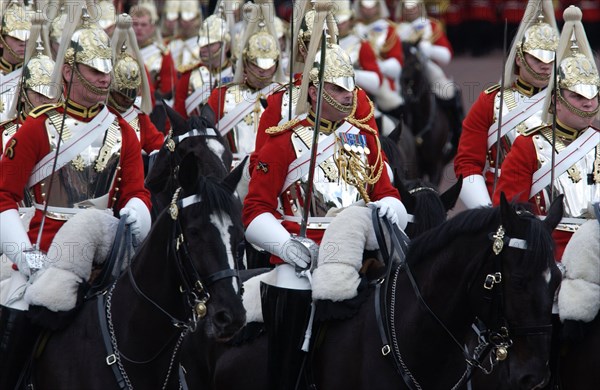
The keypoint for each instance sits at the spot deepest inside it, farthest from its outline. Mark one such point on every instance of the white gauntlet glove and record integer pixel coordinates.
(425, 48)
(267, 233)
(474, 192)
(137, 216)
(392, 209)
(15, 243)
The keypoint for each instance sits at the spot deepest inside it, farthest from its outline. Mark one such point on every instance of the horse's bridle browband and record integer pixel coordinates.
(171, 142)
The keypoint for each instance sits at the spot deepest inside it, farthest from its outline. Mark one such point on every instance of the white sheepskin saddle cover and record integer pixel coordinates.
(579, 294)
(350, 233)
(84, 240)
(336, 277)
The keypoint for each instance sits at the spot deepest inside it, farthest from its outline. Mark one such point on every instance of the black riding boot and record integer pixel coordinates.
(17, 337)
(286, 314)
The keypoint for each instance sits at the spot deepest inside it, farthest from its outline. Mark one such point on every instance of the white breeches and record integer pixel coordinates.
(12, 290)
(285, 276)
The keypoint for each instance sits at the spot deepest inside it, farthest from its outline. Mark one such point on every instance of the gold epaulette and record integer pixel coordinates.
(39, 110)
(276, 130)
(491, 89)
(187, 67)
(533, 130)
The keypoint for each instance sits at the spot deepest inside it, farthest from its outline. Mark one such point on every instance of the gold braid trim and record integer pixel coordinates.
(389, 43)
(362, 126)
(441, 28)
(366, 118)
(284, 127)
(358, 173)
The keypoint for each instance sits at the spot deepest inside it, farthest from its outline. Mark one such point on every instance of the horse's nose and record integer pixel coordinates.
(227, 324)
(534, 382)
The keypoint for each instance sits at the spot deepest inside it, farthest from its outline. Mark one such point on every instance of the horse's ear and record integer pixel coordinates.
(397, 132)
(178, 122)
(555, 213)
(450, 196)
(207, 113)
(158, 116)
(408, 199)
(233, 178)
(188, 172)
(507, 212)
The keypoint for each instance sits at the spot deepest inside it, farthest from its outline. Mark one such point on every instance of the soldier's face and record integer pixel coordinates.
(369, 12)
(339, 94)
(18, 46)
(209, 54)
(538, 67)
(257, 77)
(580, 102)
(37, 99)
(143, 28)
(80, 93)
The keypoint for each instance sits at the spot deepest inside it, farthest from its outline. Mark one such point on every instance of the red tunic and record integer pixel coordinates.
(472, 150)
(367, 59)
(392, 47)
(516, 180)
(277, 154)
(33, 144)
(438, 35)
(167, 77)
(150, 138)
(181, 93)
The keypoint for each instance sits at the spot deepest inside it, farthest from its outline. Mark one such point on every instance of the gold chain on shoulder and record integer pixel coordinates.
(286, 126)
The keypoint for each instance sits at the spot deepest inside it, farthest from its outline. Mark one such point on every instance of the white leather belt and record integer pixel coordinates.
(313, 222)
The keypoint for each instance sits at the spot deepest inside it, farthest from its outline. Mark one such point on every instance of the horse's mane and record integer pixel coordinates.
(428, 207)
(476, 221)
(217, 198)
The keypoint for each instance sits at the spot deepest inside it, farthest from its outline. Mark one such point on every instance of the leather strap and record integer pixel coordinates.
(111, 359)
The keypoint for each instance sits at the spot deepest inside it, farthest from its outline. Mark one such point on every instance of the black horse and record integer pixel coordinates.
(195, 136)
(425, 204)
(495, 264)
(425, 116)
(183, 273)
(577, 357)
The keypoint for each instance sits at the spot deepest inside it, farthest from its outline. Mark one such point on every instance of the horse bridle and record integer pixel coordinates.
(193, 288)
(193, 285)
(496, 341)
(170, 145)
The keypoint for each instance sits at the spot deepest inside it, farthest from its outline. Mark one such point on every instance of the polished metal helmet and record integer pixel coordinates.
(262, 49)
(90, 45)
(15, 22)
(577, 70)
(127, 75)
(214, 29)
(338, 68)
(540, 40)
(37, 73)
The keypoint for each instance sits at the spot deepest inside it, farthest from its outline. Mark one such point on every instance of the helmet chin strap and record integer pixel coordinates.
(87, 85)
(9, 49)
(529, 69)
(346, 109)
(577, 111)
(113, 103)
